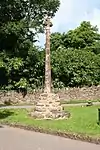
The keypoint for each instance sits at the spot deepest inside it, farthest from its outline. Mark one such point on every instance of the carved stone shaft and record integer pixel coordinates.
(48, 104)
(47, 58)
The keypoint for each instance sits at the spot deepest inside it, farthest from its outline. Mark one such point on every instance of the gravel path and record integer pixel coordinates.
(16, 107)
(31, 106)
(17, 139)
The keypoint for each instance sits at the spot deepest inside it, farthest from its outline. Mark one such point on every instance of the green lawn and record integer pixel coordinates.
(83, 120)
(78, 101)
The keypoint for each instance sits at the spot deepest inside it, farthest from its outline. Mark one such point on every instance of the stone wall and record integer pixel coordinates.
(85, 93)
(13, 97)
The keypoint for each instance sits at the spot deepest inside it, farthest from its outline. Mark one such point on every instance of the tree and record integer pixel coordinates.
(20, 21)
(83, 36)
(94, 48)
(56, 41)
(75, 68)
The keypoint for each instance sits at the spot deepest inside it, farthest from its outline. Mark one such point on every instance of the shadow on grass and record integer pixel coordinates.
(5, 114)
(2, 105)
(1, 126)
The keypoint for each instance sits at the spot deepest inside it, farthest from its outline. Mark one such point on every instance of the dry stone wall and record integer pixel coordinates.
(85, 93)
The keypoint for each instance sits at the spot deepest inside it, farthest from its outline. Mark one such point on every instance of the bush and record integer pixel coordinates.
(76, 67)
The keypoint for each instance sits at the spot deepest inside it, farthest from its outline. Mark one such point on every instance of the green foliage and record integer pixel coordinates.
(76, 68)
(3, 74)
(94, 48)
(82, 37)
(22, 63)
(14, 64)
(22, 84)
(56, 41)
(75, 56)
(1, 64)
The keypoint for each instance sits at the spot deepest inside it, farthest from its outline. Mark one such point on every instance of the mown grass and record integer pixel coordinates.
(78, 101)
(83, 120)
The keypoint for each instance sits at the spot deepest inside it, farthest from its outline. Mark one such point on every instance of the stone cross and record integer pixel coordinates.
(48, 104)
(47, 88)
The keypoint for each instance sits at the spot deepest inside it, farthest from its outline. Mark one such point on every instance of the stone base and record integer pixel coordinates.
(48, 107)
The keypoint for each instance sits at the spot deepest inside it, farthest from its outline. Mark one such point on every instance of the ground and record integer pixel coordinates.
(83, 120)
(17, 139)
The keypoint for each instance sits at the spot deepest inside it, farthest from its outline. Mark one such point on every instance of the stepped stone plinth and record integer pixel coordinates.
(48, 107)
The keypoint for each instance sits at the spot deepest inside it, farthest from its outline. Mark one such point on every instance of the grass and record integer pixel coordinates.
(83, 120)
(78, 101)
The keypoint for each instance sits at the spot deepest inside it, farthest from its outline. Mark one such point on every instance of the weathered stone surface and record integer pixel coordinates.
(50, 107)
(68, 94)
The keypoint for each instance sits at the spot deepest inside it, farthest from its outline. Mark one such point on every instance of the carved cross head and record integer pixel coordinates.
(48, 22)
